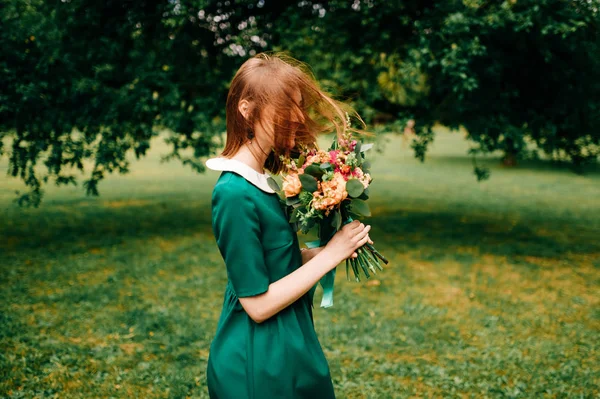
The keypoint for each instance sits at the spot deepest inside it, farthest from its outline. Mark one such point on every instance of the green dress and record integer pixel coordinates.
(280, 357)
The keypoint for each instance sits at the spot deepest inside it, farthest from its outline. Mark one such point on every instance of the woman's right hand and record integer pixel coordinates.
(349, 238)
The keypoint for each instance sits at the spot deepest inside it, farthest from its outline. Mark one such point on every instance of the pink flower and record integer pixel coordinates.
(357, 172)
(333, 156)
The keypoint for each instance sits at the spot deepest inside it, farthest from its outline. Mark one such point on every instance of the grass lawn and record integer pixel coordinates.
(493, 288)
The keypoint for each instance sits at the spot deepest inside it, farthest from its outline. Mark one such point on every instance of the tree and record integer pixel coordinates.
(515, 72)
(512, 72)
(93, 80)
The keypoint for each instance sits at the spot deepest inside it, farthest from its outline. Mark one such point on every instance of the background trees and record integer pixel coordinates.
(93, 80)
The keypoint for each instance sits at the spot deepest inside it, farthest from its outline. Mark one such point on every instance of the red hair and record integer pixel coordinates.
(269, 81)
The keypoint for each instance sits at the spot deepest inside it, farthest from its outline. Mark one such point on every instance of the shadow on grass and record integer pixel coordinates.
(436, 234)
(77, 228)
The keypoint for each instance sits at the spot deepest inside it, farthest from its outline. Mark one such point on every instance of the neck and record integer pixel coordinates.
(255, 158)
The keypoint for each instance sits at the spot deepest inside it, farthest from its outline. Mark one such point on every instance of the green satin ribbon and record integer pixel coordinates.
(328, 279)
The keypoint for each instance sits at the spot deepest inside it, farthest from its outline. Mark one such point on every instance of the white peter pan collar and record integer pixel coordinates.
(244, 170)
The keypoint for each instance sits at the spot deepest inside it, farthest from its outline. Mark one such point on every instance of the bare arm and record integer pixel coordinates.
(290, 288)
(309, 253)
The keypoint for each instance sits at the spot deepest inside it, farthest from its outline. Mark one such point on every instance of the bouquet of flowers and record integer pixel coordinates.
(328, 189)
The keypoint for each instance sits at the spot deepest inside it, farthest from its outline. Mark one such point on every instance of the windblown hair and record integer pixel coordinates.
(269, 81)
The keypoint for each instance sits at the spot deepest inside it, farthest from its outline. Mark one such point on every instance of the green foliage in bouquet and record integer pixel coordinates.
(327, 189)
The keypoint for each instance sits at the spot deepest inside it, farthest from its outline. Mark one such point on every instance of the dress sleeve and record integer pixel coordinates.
(237, 231)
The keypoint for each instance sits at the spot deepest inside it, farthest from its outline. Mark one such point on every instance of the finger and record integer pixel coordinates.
(358, 228)
(354, 255)
(352, 225)
(363, 238)
(364, 233)
(363, 241)
(360, 236)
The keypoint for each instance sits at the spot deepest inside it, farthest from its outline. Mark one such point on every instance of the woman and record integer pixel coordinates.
(265, 344)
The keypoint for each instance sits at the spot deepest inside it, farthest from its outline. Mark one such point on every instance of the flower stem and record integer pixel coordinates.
(363, 265)
(355, 269)
(380, 256)
(374, 259)
(367, 259)
(347, 267)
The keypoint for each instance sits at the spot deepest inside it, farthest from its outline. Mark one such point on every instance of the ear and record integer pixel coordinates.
(244, 108)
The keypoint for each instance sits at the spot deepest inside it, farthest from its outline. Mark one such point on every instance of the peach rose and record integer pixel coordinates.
(291, 184)
(333, 192)
(323, 203)
(339, 192)
(318, 158)
(311, 159)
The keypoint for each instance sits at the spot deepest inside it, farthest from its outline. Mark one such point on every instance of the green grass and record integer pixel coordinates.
(493, 289)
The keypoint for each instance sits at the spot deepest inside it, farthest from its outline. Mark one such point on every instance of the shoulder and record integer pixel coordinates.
(233, 206)
(231, 183)
(233, 188)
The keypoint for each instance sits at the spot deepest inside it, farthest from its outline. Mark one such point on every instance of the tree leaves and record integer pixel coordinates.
(104, 88)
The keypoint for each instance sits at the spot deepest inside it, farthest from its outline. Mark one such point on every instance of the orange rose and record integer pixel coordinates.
(323, 203)
(311, 159)
(340, 192)
(334, 192)
(292, 185)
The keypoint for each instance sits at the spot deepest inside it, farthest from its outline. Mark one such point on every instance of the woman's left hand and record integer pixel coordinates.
(309, 253)
(354, 254)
